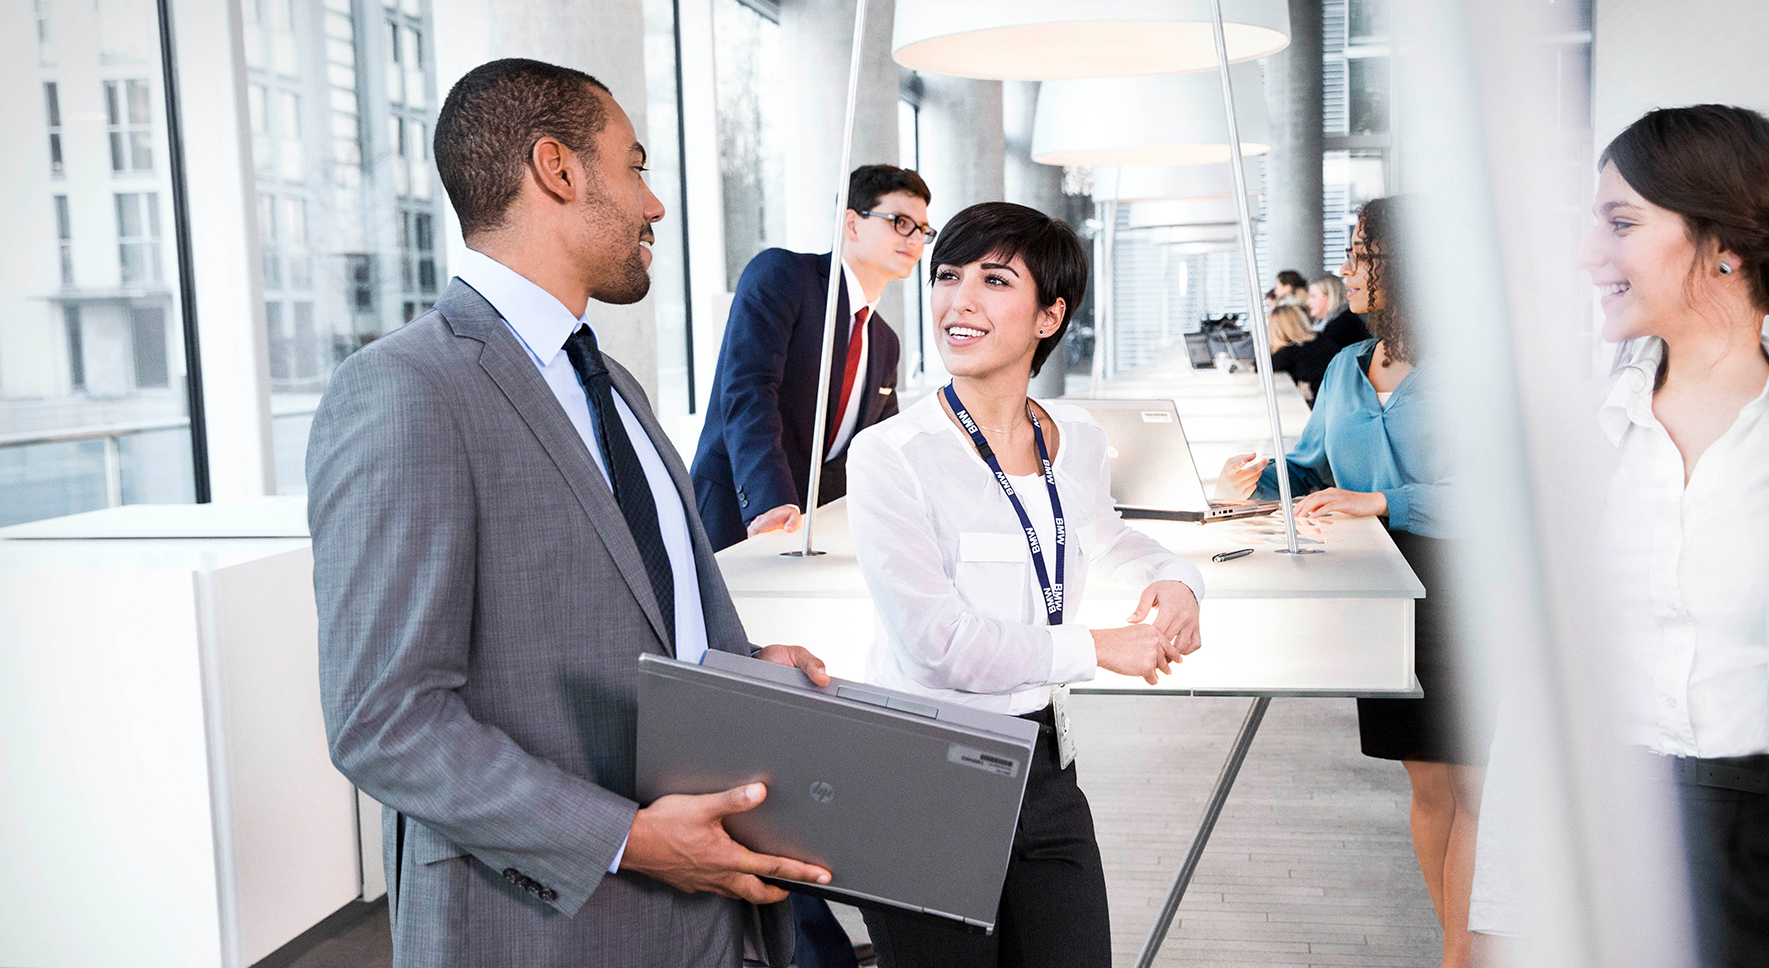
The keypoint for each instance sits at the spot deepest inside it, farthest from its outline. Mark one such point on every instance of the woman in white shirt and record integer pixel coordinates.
(976, 515)
(1681, 255)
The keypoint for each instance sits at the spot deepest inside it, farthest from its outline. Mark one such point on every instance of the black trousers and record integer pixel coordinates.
(1726, 844)
(1053, 905)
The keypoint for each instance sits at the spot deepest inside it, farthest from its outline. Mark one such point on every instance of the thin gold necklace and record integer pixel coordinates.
(1010, 429)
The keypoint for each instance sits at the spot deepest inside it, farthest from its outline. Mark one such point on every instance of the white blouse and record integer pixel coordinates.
(960, 613)
(1690, 566)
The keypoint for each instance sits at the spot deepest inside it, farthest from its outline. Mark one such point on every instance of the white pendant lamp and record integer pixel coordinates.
(1205, 211)
(1030, 40)
(1173, 119)
(1147, 183)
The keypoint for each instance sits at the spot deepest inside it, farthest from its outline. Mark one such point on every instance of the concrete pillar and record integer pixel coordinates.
(963, 153)
(1029, 183)
(1293, 203)
(608, 46)
(818, 36)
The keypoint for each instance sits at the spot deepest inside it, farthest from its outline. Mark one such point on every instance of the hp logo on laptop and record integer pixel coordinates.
(822, 792)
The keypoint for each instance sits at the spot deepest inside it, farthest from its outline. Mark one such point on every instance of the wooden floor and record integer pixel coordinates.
(1311, 863)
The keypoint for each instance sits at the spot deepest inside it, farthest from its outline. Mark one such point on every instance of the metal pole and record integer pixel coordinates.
(1225, 781)
(1255, 298)
(1097, 367)
(113, 472)
(820, 428)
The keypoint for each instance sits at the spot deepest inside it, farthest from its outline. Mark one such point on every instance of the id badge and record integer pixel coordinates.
(1065, 741)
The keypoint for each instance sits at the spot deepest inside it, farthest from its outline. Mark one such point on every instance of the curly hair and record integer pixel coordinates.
(1381, 219)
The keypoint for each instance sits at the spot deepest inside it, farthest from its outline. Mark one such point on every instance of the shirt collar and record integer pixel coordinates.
(541, 321)
(1630, 398)
(855, 292)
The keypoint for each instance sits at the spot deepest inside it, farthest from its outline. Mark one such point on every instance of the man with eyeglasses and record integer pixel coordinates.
(752, 467)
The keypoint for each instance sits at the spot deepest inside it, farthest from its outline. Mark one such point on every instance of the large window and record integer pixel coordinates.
(94, 407)
(340, 97)
(670, 302)
(747, 59)
(1356, 117)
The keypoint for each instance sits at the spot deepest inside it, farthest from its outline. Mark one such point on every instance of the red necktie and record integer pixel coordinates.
(856, 340)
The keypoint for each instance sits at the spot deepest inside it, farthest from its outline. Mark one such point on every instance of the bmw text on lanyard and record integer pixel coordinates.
(1053, 593)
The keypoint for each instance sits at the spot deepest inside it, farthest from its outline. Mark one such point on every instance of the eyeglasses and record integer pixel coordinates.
(1358, 256)
(906, 226)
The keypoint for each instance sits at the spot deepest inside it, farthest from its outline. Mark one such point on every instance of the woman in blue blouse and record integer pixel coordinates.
(1369, 449)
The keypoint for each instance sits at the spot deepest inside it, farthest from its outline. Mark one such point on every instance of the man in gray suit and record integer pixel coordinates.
(500, 528)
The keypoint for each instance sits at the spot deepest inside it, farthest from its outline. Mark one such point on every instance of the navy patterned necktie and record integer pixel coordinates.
(632, 491)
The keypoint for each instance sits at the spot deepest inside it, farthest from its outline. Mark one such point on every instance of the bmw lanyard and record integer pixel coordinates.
(1053, 593)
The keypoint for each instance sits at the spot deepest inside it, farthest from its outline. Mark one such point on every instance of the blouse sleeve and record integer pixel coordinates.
(944, 643)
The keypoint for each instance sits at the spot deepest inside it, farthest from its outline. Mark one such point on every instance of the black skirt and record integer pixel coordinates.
(1444, 726)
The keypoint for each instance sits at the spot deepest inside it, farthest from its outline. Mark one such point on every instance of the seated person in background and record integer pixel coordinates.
(1292, 288)
(1340, 326)
(1370, 449)
(752, 468)
(975, 515)
(1326, 297)
(1296, 350)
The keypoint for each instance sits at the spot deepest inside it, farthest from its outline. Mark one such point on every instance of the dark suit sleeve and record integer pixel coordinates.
(392, 509)
(756, 337)
(890, 407)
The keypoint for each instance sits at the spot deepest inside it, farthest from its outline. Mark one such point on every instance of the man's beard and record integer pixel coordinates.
(629, 280)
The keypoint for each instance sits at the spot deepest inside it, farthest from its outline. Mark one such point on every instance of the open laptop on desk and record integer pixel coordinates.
(1153, 475)
(909, 802)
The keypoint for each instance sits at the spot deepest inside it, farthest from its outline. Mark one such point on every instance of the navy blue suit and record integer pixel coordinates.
(755, 448)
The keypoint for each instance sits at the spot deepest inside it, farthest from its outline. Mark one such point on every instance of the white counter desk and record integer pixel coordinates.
(166, 797)
(1334, 624)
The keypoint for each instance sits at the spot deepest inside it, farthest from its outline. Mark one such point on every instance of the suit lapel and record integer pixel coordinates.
(877, 376)
(509, 366)
(723, 628)
(837, 360)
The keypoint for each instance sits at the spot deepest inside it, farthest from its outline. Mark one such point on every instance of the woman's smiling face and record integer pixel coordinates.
(1640, 258)
(988, 316)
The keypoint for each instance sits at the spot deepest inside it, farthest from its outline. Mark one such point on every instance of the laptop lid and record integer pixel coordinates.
(910, 802)
(1149, 457)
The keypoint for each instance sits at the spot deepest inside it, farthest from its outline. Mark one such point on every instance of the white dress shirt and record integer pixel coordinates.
(851, 416)
(542, 323)
(1691, 569)
(960, 614)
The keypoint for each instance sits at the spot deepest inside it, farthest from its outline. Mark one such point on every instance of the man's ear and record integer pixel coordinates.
(551, 166)
(851, 225)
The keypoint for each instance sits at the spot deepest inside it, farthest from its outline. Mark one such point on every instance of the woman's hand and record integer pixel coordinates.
(1176, 615)
(1240, 475)
(1360, 504)
(1134, 650)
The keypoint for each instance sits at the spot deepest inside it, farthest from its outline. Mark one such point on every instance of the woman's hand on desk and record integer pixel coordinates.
(1359, 504)
(1176, 615)
(1240, 474)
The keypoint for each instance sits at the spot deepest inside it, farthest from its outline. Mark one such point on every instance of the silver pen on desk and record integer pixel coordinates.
(1231, 555)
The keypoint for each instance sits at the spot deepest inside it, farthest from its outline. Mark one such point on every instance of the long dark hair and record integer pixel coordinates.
(1710, 164)
(1380, 220)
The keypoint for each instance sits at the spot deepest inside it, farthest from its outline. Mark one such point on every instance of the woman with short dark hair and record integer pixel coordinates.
(976, 515)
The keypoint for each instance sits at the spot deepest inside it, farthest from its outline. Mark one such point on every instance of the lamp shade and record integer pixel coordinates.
(1172, 119)
(1212, 211)
(1031, 40)
(1143, 183)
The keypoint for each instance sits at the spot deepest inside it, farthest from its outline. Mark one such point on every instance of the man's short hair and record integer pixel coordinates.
(998, 231)
(490, 122)
(869, 183)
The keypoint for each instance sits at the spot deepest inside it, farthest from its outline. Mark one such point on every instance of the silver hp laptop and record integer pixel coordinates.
(1153, 475)
(910, 803)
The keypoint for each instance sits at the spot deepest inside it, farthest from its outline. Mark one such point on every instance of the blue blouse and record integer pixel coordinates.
(1354, 442)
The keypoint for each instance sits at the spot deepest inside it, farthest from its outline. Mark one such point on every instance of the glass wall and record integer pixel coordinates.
(94, 404)
(670, 300)
(747, 58)
(342, 97)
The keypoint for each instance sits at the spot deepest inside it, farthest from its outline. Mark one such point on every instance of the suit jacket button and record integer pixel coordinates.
(548, 895)
(512, 875)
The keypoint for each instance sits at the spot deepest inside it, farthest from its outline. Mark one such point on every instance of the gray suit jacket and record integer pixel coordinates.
(482, 610)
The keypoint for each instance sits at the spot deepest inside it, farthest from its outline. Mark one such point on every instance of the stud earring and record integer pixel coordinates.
(1725, 268)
